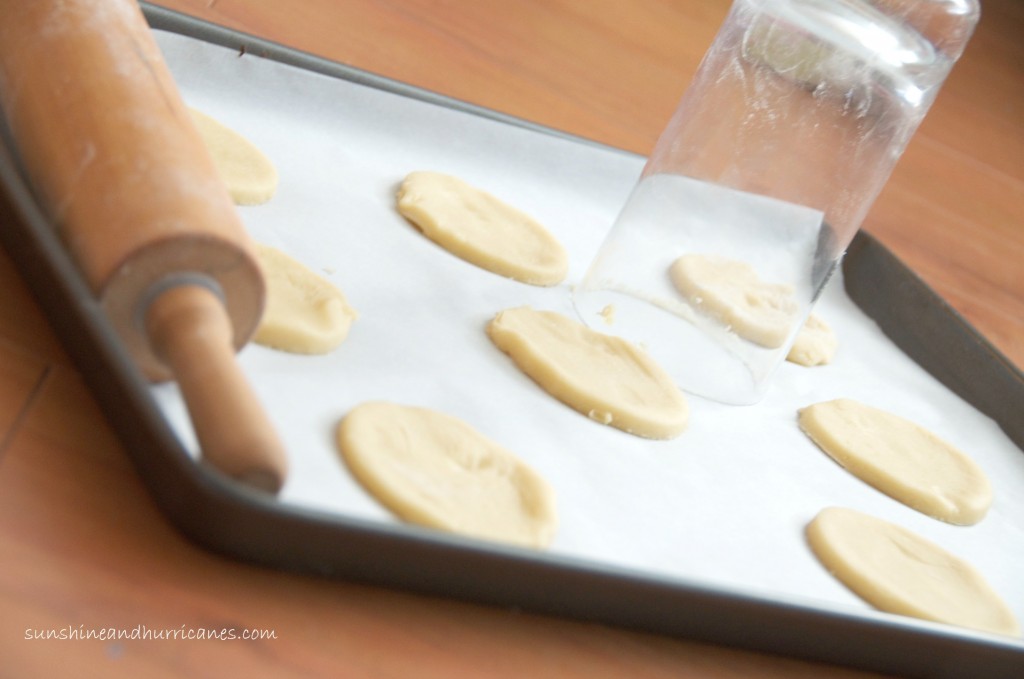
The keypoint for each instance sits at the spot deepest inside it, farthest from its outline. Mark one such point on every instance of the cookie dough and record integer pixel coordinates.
(897, 571)
(815, 343)
(435, 470)
(250, 177)
(794, 55)
(901, 459)
(481, 229)
(732, 292)
(604, 377)
(304, 314)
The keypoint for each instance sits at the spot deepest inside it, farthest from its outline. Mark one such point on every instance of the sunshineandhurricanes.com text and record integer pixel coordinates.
(145, 633)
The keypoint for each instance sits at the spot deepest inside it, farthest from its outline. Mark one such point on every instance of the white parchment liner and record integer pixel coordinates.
(724, 504)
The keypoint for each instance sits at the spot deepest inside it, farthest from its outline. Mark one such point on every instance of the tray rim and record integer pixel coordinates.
(231, 520)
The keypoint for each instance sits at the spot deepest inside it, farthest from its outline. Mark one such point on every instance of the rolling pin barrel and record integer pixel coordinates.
(113, 156)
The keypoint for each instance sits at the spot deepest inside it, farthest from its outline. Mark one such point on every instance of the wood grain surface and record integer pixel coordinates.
(83, 547)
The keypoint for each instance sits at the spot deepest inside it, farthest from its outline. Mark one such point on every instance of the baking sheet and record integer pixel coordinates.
(725, 504)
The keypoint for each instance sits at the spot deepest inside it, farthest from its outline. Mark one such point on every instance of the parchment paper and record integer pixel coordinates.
(725, 504)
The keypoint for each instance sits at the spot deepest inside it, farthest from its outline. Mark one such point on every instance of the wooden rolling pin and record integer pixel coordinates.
(112, 154)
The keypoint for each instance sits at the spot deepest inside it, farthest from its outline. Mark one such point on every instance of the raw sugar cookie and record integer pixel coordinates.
(732, 292)
(435, 470)
(815, 343)
(249, 175)
(305, 314)
(604, 377)
(900, 458)
(898, 571)
(481, 229)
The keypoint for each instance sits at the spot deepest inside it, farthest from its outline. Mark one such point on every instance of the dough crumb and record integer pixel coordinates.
(434, 470)
(608, 314)
(898, 571)
(305, 314)
(731, 292)
(601, 376)
(815, 343)
(901, 459)
(481, 229)
(250, 177)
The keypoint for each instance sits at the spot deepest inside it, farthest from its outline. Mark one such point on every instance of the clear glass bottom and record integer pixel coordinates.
(630, 292)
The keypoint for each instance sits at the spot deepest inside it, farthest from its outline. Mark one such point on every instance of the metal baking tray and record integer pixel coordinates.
(246, 525)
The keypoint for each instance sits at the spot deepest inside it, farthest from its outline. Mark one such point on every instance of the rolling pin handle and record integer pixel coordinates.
(190, 330)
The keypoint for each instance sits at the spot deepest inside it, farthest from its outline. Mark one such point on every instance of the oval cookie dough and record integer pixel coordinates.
(901, 459)
(815, 343)
(732, 292)
(897, 571)
(481, 229)
(604, 377)
(305, 314)
(435, 470)
(249, 175)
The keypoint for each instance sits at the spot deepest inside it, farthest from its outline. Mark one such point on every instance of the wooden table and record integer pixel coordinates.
(83, 547)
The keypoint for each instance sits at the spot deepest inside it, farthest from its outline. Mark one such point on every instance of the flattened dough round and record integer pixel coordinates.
(604, 377)
(815, 343)
(732, 292)
(481, 229)
(305, 314)
(249, 175)
(901, 459)
(898, 571)
(435, 470)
